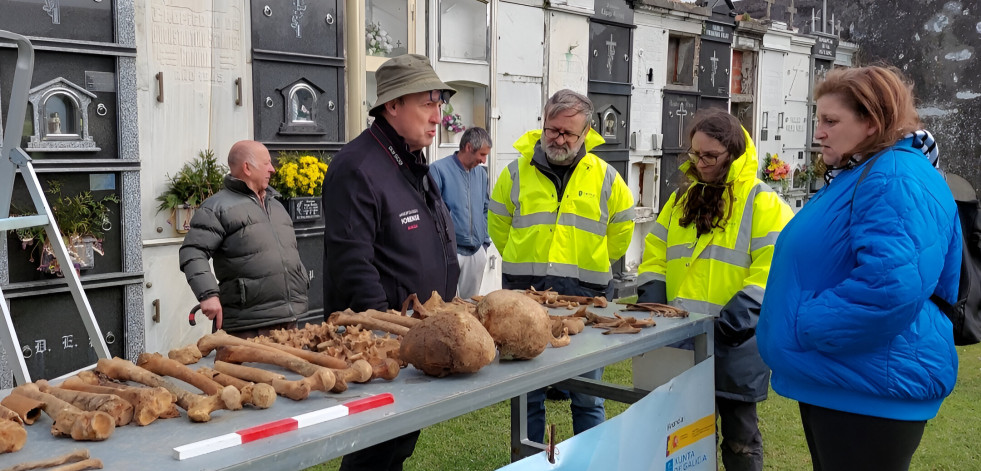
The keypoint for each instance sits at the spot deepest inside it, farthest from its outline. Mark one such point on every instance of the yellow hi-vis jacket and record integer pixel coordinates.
(578, 237)
(702, 274)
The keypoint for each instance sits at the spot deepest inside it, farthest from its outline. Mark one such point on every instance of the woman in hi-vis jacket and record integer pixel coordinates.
(709, 253)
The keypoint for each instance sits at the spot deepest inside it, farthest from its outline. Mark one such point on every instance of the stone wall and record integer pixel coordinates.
(935, 42)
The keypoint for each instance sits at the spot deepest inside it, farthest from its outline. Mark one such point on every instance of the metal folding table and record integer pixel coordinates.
(420, 401)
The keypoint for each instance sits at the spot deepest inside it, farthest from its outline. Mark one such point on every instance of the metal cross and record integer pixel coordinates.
(611, 48)
(681, 112)
(53, 9)
(791, 10)
(298, 8)
(715, 65)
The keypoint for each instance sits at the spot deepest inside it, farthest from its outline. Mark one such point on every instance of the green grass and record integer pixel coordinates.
(479, 441)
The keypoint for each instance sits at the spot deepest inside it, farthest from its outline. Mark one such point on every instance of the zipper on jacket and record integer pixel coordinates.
(443, 231)
(470, 205)
(279, 244)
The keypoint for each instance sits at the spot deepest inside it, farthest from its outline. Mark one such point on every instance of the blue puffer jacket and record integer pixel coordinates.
(846, 323)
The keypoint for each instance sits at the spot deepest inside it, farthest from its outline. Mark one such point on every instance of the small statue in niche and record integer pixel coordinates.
(301, 105)
(60, 113)
(610, 125)
(54, 123)
(303, 114)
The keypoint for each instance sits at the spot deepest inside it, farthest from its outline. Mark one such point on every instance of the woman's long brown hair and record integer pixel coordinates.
(708, 205)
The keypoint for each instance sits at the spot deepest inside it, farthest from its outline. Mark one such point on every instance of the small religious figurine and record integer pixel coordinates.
(54, 124)
(300, 105)
(610, 125)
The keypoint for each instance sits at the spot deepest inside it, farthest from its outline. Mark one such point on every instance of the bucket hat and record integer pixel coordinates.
(404, 75)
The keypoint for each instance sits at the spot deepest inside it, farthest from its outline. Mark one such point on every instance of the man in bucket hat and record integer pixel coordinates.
(387, 232)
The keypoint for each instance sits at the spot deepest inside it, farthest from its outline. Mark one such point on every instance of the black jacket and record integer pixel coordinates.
(261, 280)
(388, 233)
(740, 373)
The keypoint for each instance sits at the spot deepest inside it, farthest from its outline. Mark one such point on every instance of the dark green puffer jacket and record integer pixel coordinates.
(261, 280)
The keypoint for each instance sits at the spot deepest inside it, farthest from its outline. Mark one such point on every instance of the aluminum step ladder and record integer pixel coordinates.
(14, 160)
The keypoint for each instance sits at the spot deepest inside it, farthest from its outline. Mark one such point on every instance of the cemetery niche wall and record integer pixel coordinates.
(80, 131)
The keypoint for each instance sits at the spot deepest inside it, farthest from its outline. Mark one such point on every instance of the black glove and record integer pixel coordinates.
(653, 292)
(737, 320)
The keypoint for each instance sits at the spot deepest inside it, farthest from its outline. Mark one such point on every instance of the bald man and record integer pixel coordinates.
(261, 283)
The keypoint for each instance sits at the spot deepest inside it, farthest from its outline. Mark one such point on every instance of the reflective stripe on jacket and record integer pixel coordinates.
(578, 237)
(724, 270)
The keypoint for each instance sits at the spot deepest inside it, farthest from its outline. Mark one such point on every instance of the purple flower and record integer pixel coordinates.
(453, 122)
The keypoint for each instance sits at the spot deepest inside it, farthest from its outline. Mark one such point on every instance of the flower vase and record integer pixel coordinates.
(50, 266)
(83, 252)
(182, 218)
(450, 137)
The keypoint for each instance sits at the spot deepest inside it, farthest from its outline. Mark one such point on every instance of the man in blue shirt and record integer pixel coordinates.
(462, 181)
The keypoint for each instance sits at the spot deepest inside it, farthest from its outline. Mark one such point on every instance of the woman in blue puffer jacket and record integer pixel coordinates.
(847, 325)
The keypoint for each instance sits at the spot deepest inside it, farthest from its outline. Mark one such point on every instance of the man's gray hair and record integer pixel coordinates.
(565, 100)
(477, 138)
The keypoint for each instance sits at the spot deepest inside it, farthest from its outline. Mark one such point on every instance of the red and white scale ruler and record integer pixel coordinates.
(277, 427)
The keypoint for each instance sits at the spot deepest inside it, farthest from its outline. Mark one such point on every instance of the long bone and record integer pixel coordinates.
(117, 407)
(156, 363)
(261, 395)
(71, 457)
(68, 419)
(249, 354)
(148, 403)
(295, 390)
(163, 403)
(199, 408)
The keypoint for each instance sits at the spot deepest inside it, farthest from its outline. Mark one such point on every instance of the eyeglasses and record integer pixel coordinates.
(553, 133)
(440, 96)
(709, 159)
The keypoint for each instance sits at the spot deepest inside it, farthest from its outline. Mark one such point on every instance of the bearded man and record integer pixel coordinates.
(560, 215)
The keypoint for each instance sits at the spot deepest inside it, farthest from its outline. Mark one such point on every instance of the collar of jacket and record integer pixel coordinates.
(456, 158)
(239, 186)
(743, 168)
(399, 142)
(415, 162)
(831, 173)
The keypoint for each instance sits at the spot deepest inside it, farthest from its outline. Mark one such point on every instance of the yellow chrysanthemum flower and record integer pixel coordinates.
(299, 175)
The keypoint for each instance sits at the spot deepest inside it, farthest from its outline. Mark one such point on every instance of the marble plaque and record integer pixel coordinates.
(194, 80)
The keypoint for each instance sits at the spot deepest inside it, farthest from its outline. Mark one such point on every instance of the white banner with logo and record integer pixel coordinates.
(671, 429)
